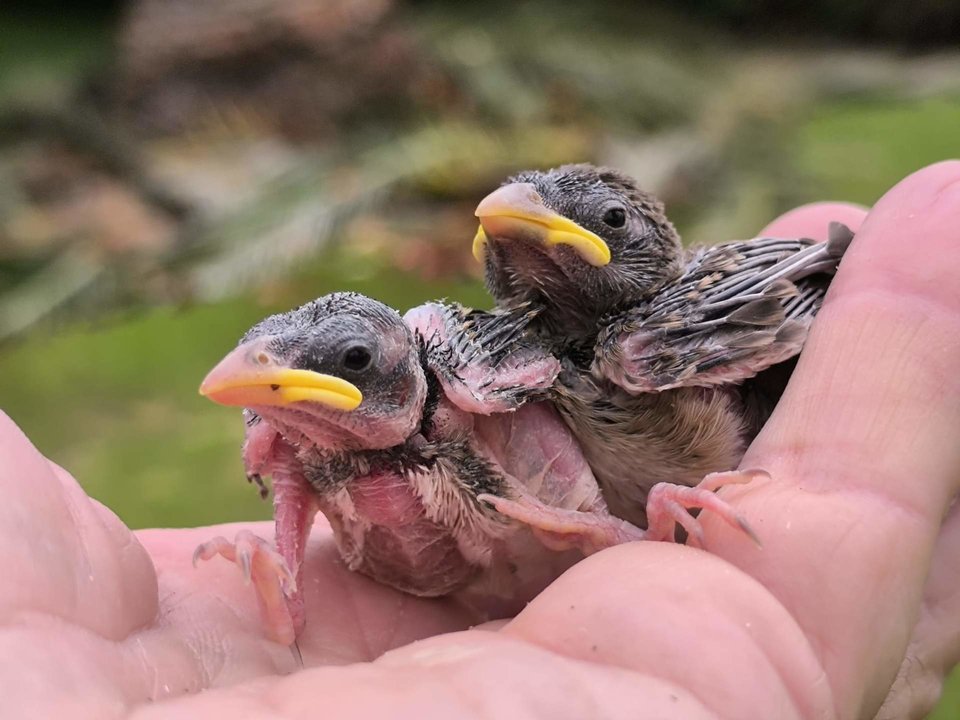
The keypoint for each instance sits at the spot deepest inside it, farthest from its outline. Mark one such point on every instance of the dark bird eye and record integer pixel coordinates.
(615, 217)
(357, 358)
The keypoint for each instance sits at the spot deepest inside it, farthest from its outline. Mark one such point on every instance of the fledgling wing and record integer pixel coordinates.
(486, 362)
(738, 309)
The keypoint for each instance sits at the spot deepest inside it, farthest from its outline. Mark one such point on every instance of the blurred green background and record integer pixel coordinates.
(172, 171)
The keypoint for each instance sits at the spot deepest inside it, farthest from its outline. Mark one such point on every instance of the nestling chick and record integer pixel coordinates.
(422, 442)
(672, 359)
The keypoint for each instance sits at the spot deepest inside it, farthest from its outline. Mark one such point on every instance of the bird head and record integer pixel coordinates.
(342, 372)
(577, 240)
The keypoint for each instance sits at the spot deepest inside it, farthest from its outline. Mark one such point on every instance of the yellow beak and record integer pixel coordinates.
(249, 376)
(516, 211)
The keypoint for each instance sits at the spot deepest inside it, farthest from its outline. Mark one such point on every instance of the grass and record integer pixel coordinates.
(855, 150)
(949, 706)
(117, 406)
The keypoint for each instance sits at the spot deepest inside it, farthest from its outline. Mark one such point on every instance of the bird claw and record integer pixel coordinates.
(264, 568)
(254, 478)
(717, 480)
(254, 555)
(669, 505)
(244, 558)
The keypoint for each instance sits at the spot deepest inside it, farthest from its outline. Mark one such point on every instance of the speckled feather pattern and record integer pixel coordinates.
(737, 309)
(672, 359)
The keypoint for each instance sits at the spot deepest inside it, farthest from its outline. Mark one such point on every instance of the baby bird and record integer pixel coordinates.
(672, 359)
(425, 442)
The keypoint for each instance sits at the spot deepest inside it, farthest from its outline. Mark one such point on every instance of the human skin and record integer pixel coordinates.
(856, 570)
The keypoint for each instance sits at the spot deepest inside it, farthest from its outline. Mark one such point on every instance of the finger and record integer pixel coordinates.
(935, 645)
(865, 438)
(688, 618)
(63, 555)
(75, 585)
(864, 460)
(813, 220)
(349, 617)
(889, 323)
(79, 603)
(473, 675)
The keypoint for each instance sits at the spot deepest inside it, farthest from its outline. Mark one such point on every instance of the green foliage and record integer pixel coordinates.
(540, 62)
(43, 60)
(853, 150)
(949, 707)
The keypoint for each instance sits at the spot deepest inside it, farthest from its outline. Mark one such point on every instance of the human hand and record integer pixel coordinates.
(934, 646)
(864, 462)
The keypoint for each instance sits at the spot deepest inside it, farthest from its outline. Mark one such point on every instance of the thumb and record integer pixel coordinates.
(862, 447)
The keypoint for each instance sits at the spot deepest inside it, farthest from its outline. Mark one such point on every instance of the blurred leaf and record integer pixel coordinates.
(40, 59)
(46, 291)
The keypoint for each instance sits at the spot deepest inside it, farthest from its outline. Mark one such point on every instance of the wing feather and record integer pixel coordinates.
(737, 309)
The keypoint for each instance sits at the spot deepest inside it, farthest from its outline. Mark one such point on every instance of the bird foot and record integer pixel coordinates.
(561, 529)
(266, 569)
(669, 505)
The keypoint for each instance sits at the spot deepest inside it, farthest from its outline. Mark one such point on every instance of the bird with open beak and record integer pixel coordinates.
(672, 358)
(408, 434)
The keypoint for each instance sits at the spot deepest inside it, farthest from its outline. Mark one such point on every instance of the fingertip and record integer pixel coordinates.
(22, 460)
(930, 189)
(878, 372)
(920, 187)
(11, 433)
(661, 608)
(908, 242)
(812, 220)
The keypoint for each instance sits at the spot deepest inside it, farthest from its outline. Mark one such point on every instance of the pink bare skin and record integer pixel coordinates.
(856, 571)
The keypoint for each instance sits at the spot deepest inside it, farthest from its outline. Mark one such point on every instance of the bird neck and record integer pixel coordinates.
(434, 390)
(571, 323)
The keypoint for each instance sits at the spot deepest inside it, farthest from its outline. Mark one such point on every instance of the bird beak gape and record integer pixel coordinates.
(517, 211)
(250, 376)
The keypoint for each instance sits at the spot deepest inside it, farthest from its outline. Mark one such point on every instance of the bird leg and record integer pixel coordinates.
(562, 529)
(294, 508)
(275, 573)
(668, 505)
(266, 569)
